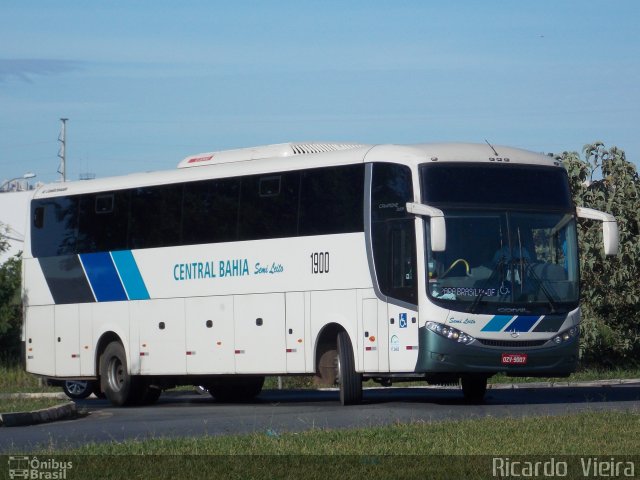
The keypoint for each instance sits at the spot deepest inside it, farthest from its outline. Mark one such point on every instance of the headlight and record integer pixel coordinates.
(449, 332)
(566, 335)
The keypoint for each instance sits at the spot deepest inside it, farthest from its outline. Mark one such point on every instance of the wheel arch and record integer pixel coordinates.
(105, 339)
(326, 338)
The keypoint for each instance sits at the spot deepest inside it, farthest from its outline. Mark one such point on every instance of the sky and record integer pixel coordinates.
(146, 83)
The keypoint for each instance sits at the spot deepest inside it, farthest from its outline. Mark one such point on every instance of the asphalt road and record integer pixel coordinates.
(180, 414)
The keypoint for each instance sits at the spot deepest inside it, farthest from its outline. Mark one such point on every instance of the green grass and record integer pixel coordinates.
(585, 433)
(583, 375)
(439, 450)
(13, 379)
(8, 405)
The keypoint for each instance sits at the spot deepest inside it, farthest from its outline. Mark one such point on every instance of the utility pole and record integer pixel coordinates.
(62, 154)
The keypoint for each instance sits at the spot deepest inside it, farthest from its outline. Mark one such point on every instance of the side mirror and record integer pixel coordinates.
(610, 233)
(438, 227)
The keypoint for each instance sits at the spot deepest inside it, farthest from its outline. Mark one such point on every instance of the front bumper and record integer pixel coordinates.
(438, 354)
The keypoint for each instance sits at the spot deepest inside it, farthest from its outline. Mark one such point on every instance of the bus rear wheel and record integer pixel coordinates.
(236, 389)
(474, 388)
(350, 382)
(116, 383)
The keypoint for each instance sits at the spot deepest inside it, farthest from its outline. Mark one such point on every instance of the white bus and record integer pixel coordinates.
(444, 262)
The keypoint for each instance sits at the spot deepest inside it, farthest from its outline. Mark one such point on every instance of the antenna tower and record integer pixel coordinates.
(62, 153)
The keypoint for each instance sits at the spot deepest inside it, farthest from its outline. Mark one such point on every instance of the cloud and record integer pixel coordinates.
(25, 69)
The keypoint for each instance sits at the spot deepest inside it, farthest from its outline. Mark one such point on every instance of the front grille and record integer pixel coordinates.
(512, 343)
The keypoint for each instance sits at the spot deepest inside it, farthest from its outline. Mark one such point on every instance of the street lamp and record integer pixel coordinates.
(26, 176)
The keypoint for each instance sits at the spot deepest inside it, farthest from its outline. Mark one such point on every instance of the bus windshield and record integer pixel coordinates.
(506, 259)
(501, 257)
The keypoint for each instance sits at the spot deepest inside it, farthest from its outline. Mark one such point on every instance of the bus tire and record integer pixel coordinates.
(350, 382)
(236, 389)
(116, 383)
(474, 388)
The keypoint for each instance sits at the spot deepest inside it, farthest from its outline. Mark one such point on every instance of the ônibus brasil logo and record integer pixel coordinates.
(34, 468)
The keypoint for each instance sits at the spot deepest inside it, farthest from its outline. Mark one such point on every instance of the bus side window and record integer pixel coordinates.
(103, 222)
(210, 211)
(402, 257)
(331, 200)
(155, 216)
(393, 232)
(55, 221)
(269, 206)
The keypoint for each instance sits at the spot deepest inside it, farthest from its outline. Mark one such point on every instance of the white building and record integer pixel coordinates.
(14, 210)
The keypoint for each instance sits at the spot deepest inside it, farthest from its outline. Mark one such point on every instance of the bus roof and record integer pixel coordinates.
(263, 152)
(293, 156)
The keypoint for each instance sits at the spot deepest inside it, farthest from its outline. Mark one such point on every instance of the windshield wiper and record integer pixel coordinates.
(494, 272)
(542, 287)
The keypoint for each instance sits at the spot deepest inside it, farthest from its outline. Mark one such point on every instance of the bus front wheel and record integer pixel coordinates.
(350, 381)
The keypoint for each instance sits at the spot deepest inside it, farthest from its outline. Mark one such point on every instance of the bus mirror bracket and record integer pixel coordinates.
(437, 228)
(610, 233)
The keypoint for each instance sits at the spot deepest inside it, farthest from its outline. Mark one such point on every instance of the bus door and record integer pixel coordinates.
(403, 338)
(393, 244)
(402, 315)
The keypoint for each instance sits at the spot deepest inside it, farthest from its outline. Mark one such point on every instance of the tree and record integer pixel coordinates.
(4, 244)
(10, 308)
(610, 287)
(10, 303)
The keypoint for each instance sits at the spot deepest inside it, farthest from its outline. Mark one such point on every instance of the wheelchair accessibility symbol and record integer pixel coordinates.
(403, 320)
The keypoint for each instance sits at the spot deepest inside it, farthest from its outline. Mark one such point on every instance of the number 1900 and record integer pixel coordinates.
(320, 262)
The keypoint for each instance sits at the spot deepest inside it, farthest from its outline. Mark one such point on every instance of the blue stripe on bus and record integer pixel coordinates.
(497, 323)
(522, 324)
(130, 275)
(103, 277)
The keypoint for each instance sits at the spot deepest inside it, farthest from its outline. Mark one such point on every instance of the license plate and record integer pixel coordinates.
(514, 358)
